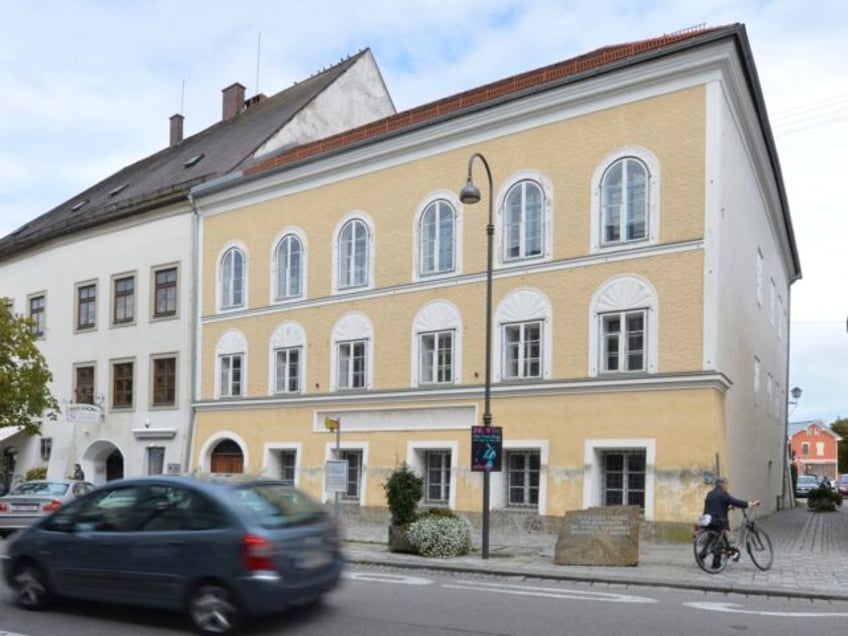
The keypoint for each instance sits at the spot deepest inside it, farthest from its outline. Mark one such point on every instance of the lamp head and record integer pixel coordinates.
(796, 393)
(470, 193)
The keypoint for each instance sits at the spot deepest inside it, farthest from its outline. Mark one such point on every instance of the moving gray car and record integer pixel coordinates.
(32, 500)
(218, 549)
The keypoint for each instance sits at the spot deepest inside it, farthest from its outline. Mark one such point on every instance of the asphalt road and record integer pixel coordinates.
(382, 601)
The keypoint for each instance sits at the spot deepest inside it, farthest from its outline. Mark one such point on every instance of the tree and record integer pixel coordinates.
(24, 375)
(840, 427)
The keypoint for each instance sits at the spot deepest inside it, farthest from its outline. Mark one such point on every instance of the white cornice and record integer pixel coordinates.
(654, 382)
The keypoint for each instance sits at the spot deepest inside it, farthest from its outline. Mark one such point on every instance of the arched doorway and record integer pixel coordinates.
(115, 465)
(227, 457)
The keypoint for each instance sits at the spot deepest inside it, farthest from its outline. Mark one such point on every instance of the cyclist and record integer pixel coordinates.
(717, 503)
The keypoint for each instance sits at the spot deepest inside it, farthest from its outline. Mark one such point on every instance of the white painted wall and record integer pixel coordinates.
(740, 220)
(356, 98)
(136, 246)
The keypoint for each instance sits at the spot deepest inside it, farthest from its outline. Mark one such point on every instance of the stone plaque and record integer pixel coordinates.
(599, 536)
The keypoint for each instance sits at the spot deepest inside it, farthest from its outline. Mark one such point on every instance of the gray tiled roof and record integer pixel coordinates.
(164, 177)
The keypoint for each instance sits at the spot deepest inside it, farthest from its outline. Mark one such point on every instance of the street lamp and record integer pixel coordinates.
(470, 194)
(787, 483)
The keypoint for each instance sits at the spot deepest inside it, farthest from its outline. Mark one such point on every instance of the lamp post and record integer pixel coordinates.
(787, 482)
(470, 194)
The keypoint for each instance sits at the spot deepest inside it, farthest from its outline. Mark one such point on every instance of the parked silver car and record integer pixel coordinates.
(805, 484)
(31, 500)
(217, 549)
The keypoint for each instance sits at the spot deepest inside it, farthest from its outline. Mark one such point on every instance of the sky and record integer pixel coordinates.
(87, 87)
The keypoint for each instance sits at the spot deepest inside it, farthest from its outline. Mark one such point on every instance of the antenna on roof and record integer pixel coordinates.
(258, 52)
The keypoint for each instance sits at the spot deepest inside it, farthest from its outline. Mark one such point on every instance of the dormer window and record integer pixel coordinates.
(193, 160)
(78, 205)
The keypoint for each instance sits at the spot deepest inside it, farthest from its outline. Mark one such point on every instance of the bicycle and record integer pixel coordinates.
(713, 551)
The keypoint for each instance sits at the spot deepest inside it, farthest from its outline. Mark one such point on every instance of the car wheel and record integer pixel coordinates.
(213, 610)
(30, 586)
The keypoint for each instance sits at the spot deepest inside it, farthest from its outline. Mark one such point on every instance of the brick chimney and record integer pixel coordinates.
(176, 129)
(233, 102)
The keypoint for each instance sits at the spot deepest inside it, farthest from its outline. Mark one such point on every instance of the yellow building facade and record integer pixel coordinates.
(352, 285)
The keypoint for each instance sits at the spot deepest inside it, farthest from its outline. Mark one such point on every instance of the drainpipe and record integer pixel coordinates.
(787, 480)
(195, 329)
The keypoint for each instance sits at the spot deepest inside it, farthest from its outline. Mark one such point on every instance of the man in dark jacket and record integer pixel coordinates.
(717, 504)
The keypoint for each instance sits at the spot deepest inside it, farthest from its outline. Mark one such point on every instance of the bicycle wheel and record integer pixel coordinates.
(709, 554)
(759, 548)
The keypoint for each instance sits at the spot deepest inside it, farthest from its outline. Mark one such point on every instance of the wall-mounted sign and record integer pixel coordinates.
(486, 448)
(87, 413)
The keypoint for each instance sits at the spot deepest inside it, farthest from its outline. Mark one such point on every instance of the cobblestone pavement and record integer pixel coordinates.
(811, 559)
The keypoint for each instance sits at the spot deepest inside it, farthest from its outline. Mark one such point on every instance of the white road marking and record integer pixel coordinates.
(732, 608)
(549, 592)
(377, 577)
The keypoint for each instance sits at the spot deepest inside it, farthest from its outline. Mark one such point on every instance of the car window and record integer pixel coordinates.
(169, 508)
(110, 510)
(51, 488)
(276, 505)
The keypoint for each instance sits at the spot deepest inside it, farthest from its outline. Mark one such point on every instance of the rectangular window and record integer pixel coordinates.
(820, 449)
(354, 473)
(522, 350)
(436, 352)
(84, 384)
(351, 365)
(522, 478)
(155, 460)
(165, 292)
(780, 318)
(772, 301)
(624, 478)
(438, 476)
(805, 448)
(122, 385)
(164, 381)
(37, 315)
(759, 277)
(288, 464)
(288, 370)
(46, 448)
(769, 389)
(231, 370)
(623, 341)
(756, 376)
(124, 300)
(86, 306)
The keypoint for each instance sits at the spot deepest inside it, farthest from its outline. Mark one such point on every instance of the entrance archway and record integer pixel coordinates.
(114, 465)
(227, 457)
(102, 461)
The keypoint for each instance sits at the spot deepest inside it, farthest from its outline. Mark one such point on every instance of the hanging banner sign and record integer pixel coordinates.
(486, 449)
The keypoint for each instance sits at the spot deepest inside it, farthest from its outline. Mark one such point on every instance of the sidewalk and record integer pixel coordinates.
(810, 561)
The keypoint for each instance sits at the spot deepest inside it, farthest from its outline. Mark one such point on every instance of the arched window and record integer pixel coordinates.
(289, 267)
(353, 256)
(523, 221)
(352, 353)
(624, 202)
(288, 358)
(437, 234)
(625, 199)
(231, 364)
(232, 278)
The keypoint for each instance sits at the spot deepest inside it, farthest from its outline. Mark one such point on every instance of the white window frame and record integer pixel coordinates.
(523, 305)
(415, 459)
(436, 316)
(449, 198)
(287, 335)
(772, 301)
(291, 233)
(624, 293)
(819, 449)
(337, 284)
(39, 328)
(499, 480)
(271, 464)
(760, 267)
(623, 349)
(547, 224)
(351, 327)
(653, 194)
(521, 347)
(225, 290)
(757, 379)
(593, 450)
(231, 343)
(227, 387)
(434, 363)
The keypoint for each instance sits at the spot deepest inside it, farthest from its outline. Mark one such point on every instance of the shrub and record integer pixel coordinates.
(439, 535)
(36, 473)
(404, 489)
(823, 499)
